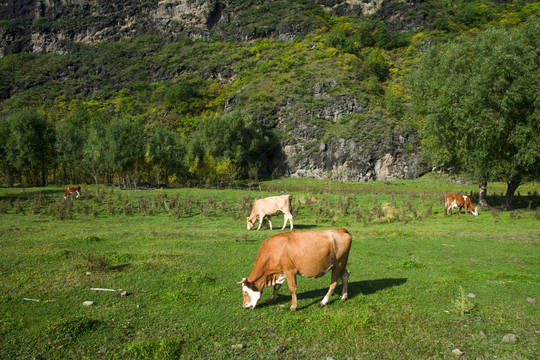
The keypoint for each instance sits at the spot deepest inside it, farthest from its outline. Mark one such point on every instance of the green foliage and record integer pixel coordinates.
(377, 62)
(125, 145)
(166, 152)
(477, 98)
(351, 35)
(29, 144)
(70, 138)
(235, 136)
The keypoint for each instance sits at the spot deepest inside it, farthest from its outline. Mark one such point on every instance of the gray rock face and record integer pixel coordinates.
(43, 26)
(304, 155)
(310, 152)
(344, 160)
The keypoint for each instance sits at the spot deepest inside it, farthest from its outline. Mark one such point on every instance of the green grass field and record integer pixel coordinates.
(422, 284)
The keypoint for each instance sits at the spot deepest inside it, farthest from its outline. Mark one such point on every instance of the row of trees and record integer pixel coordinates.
(89, 145)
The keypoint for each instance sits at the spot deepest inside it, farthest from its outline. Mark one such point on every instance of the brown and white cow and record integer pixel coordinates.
(308, 253)
(72, 190)
(269, 207)
(457, 201)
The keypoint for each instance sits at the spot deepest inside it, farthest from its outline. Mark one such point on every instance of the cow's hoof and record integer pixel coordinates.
(292, 309)
(321, 305)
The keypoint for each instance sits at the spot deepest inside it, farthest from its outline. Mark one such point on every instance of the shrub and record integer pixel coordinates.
(377, 62)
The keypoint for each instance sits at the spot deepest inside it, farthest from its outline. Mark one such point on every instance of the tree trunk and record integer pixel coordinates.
(97, 185)
(482, 191)
(509, 197)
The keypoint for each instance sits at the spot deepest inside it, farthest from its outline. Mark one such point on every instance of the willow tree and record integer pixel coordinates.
(29, 145)
(476, 100)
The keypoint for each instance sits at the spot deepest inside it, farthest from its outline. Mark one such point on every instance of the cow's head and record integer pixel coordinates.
(251, 297)
(250, 223)
(470, 206)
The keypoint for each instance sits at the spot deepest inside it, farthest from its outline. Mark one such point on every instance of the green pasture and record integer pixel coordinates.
(422, 284)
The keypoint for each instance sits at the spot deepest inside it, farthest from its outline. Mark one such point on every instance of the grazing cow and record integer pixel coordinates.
(454, 201)
(269, 207)
(308, 253)
(71, 190)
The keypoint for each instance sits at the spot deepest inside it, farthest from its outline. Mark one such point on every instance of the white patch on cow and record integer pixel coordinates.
(254, 296)
(280, 280)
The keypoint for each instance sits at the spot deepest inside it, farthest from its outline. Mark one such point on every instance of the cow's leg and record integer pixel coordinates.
(345, 281)
(453, 205)
(269, 221)
(287, 216)
(290, 221)
(77, 194)
(291, 280)
(280, 280)
(274, 294)
(336, 274)
(261, 218)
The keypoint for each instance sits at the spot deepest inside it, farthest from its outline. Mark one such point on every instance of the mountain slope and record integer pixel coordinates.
(325, 77)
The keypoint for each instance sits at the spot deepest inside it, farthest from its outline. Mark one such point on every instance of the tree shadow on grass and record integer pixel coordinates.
(30, 194)
(304, 227)
(365, 287)
(120, 267)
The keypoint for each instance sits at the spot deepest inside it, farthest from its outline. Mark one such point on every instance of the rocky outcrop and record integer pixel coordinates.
(47, 25)
(345, 159)
(308, 152)
(343, 7)
(335, 106)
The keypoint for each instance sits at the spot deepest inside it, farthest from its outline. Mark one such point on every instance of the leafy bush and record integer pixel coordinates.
(234, 136)
(377, 62)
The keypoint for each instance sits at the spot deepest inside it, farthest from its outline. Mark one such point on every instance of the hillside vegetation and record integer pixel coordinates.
(288, 70)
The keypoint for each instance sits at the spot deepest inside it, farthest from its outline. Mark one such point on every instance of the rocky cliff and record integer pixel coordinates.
(48, 25)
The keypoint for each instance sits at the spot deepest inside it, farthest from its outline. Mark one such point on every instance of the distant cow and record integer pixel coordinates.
(308, 253)
(72, 190)
(269, 207)
(454, 201)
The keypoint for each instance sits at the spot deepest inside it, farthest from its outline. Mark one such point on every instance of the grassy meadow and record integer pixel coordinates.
(422, 284)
